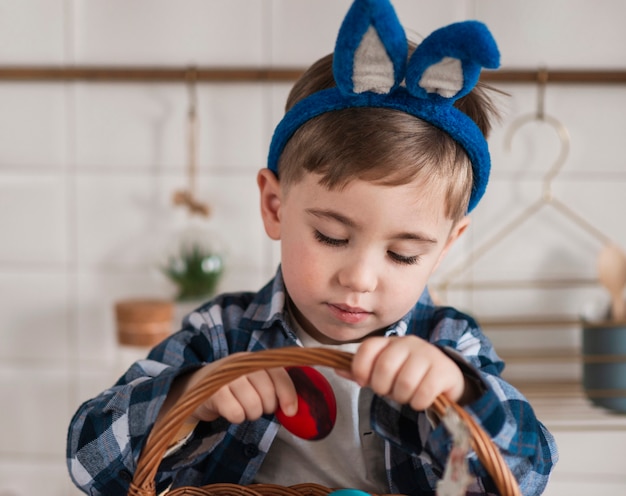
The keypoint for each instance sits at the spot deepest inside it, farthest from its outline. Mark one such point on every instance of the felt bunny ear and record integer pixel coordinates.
(371, 49)
(447, 64)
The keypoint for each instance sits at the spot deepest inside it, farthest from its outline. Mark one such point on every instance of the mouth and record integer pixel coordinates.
(348, 314)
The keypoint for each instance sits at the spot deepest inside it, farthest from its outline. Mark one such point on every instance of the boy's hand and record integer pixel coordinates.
(250, 396)
(408, 370)
(246, 398)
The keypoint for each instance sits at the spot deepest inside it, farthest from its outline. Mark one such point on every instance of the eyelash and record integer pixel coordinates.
(329, 241)
(399, 259)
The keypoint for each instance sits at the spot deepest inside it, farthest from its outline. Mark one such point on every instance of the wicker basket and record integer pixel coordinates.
(230, 368)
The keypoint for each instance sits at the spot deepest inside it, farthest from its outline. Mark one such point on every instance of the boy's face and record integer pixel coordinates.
(355, 260)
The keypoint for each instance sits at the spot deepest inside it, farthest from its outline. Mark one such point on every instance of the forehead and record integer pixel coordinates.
(420, 199)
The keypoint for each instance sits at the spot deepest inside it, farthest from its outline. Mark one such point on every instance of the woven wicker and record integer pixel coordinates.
(230, 368)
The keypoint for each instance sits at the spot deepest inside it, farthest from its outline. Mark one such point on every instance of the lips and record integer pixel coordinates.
(348, 314)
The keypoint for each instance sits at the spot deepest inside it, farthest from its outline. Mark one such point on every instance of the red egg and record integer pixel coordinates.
(317, 407)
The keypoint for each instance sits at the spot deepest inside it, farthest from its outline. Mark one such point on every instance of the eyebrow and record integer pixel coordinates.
(346, 221)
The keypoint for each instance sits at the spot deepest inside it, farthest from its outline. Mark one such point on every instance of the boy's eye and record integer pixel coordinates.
(322, 238)
(400, 259)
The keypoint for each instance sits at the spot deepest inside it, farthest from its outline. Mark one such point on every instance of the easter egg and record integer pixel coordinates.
(317, 407)
(348, 492)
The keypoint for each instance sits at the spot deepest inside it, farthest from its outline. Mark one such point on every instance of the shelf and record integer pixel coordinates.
(529, 322)
(563, 406)
(560, 355)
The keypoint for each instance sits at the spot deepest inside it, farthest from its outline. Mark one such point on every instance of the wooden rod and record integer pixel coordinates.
(269, 74)
(146, 74)
(573, 76)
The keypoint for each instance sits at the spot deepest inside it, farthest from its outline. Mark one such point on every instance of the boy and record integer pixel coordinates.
(371, 174)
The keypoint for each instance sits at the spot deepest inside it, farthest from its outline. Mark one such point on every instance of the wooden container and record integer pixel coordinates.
(604, 364)
(143, 322)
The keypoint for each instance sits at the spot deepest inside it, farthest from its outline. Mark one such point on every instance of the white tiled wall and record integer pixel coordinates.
(87, 171)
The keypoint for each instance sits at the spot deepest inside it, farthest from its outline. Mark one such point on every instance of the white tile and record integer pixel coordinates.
(129, 223)
(591, 115)
(32, 32)
(33, 125)
(34, 316)
(304, 31)
(559, 33)
(35, 410)
(277, 99)
(145, 127)
(117, 221)
(130, 126)
(577, 484)
(245, 280)
(236, 218)
(594, 117)
(301, 32)
(158, 32)
(231, 125)
(34, 476)
(599, 201)
(33, 220)
(92, 379)
(606, 462)
(422, 17)
(275, 257)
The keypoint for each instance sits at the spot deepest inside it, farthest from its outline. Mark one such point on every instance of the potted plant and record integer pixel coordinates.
(195, 267)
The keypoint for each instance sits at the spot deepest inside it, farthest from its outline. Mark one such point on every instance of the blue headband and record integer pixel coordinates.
(370, 65)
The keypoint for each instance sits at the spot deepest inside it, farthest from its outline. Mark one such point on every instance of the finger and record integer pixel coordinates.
(285, 391)
(408, 380)
(364, 359)
(386, 368)
(246, 393)
(264, 387)
(221, 404)
(427, 392)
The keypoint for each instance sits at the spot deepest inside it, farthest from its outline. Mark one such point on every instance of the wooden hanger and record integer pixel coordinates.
(547, 199)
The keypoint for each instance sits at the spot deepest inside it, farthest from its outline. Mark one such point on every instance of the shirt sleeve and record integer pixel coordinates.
(502, 411)
(107, 433)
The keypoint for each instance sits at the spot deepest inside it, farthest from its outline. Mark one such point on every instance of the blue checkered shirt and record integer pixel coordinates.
(107, 433)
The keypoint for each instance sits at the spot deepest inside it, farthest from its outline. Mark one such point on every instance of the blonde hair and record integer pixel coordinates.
(380, 145)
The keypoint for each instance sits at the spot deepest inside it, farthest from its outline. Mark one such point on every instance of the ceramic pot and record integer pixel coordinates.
(604, 364)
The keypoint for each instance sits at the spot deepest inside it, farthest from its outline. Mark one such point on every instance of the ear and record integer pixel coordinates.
(269, 188)
(455, 233)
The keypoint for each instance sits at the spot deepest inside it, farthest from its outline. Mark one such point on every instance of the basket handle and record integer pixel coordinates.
(233, 366)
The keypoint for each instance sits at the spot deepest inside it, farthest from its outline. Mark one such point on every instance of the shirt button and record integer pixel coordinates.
(250, 450)
(125, 475)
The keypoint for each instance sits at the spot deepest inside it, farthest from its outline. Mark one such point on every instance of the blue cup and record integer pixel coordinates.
(604, 364)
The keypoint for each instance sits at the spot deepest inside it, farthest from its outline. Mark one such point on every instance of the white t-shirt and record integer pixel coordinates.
(351, 456)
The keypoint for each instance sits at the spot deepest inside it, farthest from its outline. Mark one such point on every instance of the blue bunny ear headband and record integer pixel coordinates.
(371, 70)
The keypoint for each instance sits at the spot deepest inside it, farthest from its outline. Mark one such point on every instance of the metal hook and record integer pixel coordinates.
(558, 126)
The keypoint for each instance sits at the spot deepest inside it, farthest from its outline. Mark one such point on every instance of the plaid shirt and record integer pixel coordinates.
(107, 433)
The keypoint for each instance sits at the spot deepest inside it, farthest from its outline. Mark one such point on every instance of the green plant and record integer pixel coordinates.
(195, 270)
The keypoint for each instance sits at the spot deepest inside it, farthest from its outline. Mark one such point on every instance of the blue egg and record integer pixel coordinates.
(348, 492)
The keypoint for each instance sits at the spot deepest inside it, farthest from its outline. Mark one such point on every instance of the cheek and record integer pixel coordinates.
(405, 288)
(302, 263)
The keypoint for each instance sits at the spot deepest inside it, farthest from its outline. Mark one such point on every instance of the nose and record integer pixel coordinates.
(358, 275)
